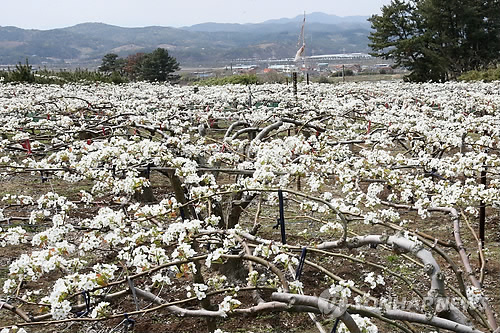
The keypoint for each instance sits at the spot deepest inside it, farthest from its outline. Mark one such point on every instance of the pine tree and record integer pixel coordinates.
(158, 66)
(438, 40)
(23, 73)
(111, 63)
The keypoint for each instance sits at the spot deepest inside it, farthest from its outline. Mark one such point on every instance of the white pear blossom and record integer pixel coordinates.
(228, 304)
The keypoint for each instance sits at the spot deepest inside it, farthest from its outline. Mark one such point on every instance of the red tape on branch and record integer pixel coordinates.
(26, 145)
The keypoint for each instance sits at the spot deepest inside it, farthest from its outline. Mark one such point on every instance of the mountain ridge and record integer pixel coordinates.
(84, 44)
(320, 17)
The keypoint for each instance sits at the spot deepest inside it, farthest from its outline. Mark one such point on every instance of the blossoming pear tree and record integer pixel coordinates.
(150, 198)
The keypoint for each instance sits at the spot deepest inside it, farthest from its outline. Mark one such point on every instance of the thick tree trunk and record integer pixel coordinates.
(147, 192)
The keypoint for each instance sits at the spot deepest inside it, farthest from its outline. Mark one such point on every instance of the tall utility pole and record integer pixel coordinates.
(482, 210)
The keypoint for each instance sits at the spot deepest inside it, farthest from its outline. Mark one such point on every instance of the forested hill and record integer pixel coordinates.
(207, 43)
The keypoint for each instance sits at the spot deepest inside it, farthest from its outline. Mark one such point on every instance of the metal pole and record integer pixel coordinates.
(282, 216)
(482, 210)
(294, 78)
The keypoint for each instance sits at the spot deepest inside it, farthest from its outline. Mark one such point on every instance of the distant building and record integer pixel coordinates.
(203, 75)
(356, 55)
(355, 68)
(245, 69)
(283, 68)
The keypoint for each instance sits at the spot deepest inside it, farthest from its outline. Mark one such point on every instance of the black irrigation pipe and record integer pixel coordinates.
(86, 296)
(300, 267)
(334, 328)
(130, 323)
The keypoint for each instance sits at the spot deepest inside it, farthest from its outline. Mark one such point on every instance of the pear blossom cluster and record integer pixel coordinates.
(374, 281)
(365, 325)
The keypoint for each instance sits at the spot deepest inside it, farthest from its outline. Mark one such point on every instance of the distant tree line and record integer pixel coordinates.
(26, 74)
(246, 79)
(155, 66)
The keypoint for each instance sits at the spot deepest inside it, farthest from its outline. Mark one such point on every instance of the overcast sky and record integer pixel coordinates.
(48, 14)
